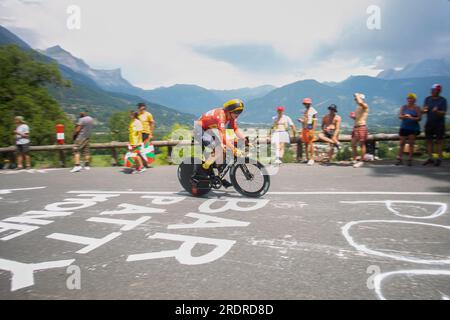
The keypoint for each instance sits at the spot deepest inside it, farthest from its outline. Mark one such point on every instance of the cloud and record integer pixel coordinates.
(254, 58)
(8, 19)
(234, 43)
(31, 2)
(411, 31)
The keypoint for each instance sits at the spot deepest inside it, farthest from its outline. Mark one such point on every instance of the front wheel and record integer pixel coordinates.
(250, 179)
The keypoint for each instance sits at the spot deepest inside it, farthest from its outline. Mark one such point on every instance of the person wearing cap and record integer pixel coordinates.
(280, 135)
(22, 133)
(435, 107)
(148, 122)
(410, 114)
(309, 125)
(81, 136)
(360, 132)
(331, 126)
(210, 132)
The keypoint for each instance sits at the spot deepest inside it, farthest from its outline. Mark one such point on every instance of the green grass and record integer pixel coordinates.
(101, 161)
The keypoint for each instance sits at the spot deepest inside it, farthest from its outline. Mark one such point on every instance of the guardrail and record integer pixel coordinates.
(113, 146)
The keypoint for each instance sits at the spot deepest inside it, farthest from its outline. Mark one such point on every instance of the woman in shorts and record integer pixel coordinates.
(410, 114)
(281, 124)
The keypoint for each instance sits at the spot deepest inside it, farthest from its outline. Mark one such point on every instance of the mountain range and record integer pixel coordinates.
(385, 93)
(106, 91)
(85, 93)
(383, 96)
(110, 80)
(425, 68)
(182, 97)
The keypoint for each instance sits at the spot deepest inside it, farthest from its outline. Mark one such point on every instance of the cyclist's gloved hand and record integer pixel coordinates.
(238, 153)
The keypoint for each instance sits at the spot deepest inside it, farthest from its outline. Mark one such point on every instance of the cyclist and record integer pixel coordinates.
(221, 119)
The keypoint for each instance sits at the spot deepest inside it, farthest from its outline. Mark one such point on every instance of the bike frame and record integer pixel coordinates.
(223, 172)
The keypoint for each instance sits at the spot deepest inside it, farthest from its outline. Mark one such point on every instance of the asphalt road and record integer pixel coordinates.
(320, 233)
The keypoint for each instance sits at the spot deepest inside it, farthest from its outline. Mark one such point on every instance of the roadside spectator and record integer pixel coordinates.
(280, 136)
(82, 134)
(309, 125)
(331, 126)
(147, 121)
(135, 138)
(22, 133)
(410, 115)
(435, 107)
(360, 132)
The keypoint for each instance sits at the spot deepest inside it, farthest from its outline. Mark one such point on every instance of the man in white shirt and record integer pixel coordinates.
(22, 133)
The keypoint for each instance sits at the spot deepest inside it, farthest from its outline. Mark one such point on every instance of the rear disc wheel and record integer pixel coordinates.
(185, 172)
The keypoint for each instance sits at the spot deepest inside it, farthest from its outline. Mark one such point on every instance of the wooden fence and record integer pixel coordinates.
(115, 146)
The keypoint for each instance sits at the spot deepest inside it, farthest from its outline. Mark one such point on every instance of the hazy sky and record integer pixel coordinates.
(236, 43)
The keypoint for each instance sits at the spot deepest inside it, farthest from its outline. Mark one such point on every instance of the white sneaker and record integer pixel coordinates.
(87, 168)
(310, 162)
(76, 169)
(142, 170)
(358, 164)
(278, 161)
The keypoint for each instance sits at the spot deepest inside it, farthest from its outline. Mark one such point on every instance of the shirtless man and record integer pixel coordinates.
(331, 126)
(360, 132)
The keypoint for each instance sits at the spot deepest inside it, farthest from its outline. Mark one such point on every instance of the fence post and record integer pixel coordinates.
(371, 147)
(11, 160)
(62, 159)
(299, 150)
(169, 154)
(375, 148)
(114, 156)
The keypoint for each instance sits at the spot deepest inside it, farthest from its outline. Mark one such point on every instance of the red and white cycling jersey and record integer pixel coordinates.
(216, 119)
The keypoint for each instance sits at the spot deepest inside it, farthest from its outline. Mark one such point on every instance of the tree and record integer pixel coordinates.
(24, 85)
(118, 125)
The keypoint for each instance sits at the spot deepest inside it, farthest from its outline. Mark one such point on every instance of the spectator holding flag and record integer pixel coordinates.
(135, 138)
